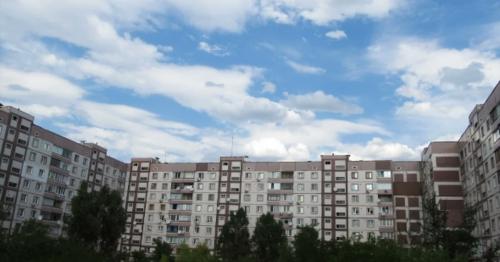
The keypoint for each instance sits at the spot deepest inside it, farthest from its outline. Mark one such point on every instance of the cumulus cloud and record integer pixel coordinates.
(268, 87)
(305, 69)
(212, 49)
(378, 148)
(336, 34)
(319, 101)
(323, 12)
(53, 94)
(438, 84)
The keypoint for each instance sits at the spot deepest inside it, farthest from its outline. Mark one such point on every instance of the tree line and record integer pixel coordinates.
(97, 221)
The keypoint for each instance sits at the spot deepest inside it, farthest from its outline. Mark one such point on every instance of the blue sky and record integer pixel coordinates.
(287, 80)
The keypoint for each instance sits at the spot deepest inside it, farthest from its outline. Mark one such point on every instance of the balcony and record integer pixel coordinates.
(179, 233)
(185, 190)
(179, 212)
(52, 209)
(280, 191)
(179, 223)
(53, 195)
(283, 215)
(180, 201)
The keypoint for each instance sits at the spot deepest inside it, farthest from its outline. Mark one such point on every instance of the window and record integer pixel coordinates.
(369, 199)
(211, 197)
(20, 212)
(355, 210)
(300, 210)
(260, 186)
(43, 160)
(355, 198)
(369, 187)
(198, 208)
(369, 211)
(314, 198)
(314, 187)
(356, 223)
(246, 198)
(300, 198)
(301, 175)
(32, 156)
(200, 186)
(260, 198)
(355, 187)
(370, 223)
(314, 175)
(199, 197)
(34, 143)
(29, 170)
(155, 175)
(211, 186)
(354, 175)
(24, 197)
(300, 187)
(368, 175)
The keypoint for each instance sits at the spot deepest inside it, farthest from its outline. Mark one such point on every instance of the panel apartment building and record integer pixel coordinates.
(190, 202)
(40, 171)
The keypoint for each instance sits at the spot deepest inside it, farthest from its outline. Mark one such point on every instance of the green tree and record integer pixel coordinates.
(98, 218)
(307, 245)
(234, 241)
(268, 238)
(162, 249)
(139, 256)
(200, 253)
(28, 242)
(434, 223)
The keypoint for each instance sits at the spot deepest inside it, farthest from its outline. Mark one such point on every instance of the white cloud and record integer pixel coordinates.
(268, 87)
(319, 101)
(378, 149)
(305, 69)
(323, 12)
(39, 93)
(336, 34)
(212, 49)
(437, 81)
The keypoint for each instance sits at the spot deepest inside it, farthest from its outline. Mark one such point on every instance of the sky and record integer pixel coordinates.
(269, 79)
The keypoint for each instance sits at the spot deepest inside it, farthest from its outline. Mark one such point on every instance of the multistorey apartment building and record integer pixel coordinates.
(41, 171)
(190, 202)
(479, 154)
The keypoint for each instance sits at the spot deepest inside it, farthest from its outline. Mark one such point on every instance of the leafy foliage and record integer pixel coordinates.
(234, 241)
(200, 253)
(98, 218)
(162, 251)
(268, 239)
(306, 245)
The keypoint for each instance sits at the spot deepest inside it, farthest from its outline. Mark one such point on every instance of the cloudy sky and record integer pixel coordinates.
(289, 80)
